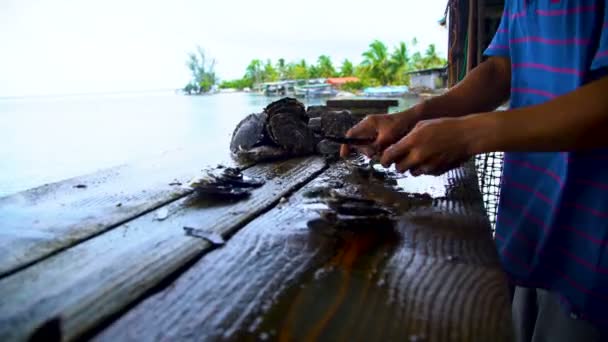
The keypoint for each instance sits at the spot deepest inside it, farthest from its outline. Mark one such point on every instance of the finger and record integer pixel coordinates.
(421, 170)
(395, 152)
(383, 141)
(413, 161)
(344, 150)
(364, 129)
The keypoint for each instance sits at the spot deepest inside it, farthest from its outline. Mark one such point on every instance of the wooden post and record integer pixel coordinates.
(472, 35)
(481, 29)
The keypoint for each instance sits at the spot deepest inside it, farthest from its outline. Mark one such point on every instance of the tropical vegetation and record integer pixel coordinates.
(202, 71)
(379, 66)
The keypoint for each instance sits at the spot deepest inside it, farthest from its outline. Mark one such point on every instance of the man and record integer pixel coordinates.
(551, 59)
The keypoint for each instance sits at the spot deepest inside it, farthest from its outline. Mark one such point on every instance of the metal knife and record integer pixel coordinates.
(350, 141)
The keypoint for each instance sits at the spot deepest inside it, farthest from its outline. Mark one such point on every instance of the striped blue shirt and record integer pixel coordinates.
(552, 227)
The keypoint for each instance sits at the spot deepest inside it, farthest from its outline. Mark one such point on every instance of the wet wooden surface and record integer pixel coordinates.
(44, 220)
(431, 275)
(88, 283)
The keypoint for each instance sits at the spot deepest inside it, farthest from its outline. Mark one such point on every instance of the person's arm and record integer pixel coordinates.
(486, 87)
(574, 121)
(483, 89)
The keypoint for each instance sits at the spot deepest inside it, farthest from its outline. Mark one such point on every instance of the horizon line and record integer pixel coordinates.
(113, 92)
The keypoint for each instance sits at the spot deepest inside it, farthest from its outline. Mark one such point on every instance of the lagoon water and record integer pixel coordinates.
(48, 139)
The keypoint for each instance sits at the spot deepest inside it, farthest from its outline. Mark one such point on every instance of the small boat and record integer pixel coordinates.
(277, 88)
(315, 90)
(386, 91)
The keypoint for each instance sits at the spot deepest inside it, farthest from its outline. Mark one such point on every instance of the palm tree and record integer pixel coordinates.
(375, 62)
(282, 68)
(314, 71)
(399, 62)
(325, 66)
(347, 68)
(254, 71)
(270, 74)
(300, 71)
(203, 71)
(417, 62)
(431, 59)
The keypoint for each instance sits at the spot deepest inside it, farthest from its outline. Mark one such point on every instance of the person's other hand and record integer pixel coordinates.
(432, 147)
(386, 129)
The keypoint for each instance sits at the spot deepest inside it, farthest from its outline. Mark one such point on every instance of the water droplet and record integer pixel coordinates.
(451, 258)
(161, 214)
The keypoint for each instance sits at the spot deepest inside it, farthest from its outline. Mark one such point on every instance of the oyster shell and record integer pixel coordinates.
(248, 133)
(285, 129)
(328, 148)
(221, 191)
(286, 105)
(227, 183)
(315, 111)
(336, 123)
(291, 133)
(234, 177)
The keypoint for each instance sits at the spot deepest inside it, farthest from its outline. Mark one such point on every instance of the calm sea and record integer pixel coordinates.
(48, 139)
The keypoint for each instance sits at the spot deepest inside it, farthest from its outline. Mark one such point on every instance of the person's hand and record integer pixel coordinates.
(432, 147)
(386, 129)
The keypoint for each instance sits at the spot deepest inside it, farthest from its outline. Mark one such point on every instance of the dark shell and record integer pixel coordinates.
(315, 111)
(286, 105)
(212, 237)
(315, 125)
(225, 183)
(336, 123)
(221, 191)
(328, 148)
(233, 177)
(342, 196)
(248, 133)
(291, 134)
(317, 192)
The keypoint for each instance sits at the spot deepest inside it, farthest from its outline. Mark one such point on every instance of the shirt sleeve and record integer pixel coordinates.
(500, 43)
(600, 60)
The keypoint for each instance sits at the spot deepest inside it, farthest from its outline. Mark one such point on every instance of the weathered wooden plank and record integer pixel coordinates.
(435, 276)
(44, 220)
(76, 289)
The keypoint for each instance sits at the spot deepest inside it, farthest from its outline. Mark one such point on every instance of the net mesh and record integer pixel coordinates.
(489, 171)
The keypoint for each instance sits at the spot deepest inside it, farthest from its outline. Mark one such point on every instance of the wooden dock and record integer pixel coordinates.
(105, 257)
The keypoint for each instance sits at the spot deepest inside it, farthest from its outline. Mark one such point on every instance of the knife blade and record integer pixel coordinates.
(350, 141)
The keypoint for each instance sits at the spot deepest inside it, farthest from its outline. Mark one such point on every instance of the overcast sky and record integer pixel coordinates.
(78, 46)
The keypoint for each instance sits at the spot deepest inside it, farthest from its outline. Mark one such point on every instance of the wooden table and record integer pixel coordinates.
(105, 257)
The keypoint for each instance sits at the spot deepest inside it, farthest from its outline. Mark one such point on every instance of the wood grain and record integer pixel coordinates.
(434, 276)
(44, 220)
(80, 287)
